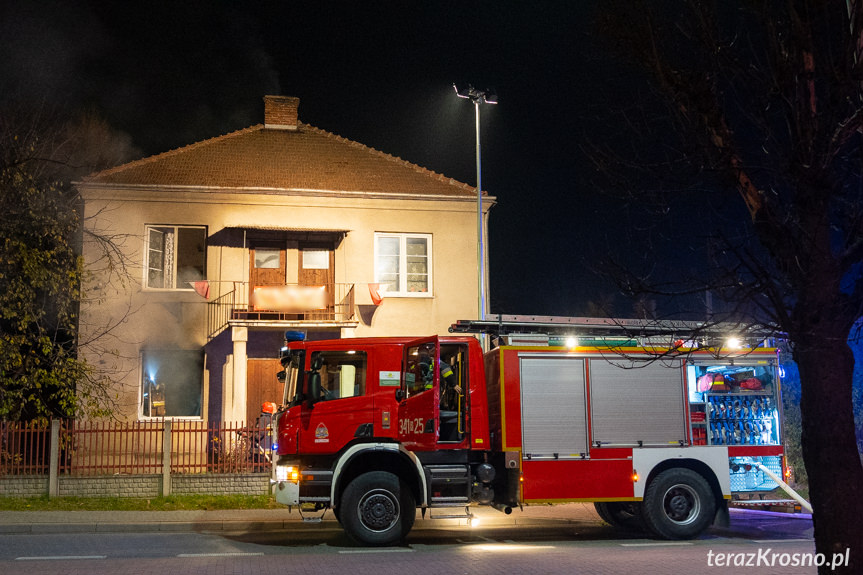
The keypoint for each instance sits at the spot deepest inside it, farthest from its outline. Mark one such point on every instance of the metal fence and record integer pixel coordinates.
(110, 448)
(25, 448)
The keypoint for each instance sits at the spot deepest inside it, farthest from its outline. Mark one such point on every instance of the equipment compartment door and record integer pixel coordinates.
(637, 402)
(554, 412)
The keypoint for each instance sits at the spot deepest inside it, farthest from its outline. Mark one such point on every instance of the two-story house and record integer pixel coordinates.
(229, 242)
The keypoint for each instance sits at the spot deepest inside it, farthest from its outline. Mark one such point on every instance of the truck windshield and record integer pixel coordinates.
(293, 363)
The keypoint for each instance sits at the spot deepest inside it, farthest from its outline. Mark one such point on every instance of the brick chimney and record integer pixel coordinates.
(280, 112)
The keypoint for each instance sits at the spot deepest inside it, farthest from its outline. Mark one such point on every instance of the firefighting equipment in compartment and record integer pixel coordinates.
(751, 383)
(712, 382)
(740, 420)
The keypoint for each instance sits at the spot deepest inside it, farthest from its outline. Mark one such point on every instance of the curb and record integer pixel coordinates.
(73, 522)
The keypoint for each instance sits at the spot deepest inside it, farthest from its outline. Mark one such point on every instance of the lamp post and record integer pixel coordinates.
(478, 97)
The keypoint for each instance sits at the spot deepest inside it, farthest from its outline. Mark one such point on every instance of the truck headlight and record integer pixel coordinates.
(287, 473)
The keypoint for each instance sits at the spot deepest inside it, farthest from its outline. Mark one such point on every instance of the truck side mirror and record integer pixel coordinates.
(400, 395)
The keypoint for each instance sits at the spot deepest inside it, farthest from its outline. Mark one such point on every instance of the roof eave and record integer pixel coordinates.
(89, 185)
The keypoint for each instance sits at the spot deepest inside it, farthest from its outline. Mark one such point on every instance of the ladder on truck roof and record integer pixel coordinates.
(671, 330)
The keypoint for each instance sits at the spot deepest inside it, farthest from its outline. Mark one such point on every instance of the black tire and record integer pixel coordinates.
(623, 515)
(377, 509)
(602, 510)
(678, 504)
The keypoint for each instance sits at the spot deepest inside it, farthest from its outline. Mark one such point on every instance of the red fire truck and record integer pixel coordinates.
(660, 438)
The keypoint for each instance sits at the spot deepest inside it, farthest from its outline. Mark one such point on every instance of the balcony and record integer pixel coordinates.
(333, 306)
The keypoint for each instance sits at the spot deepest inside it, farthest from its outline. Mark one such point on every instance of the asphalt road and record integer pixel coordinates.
(766, 543)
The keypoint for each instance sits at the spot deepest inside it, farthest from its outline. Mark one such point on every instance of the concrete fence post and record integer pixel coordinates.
(54, 463)
(166, 459)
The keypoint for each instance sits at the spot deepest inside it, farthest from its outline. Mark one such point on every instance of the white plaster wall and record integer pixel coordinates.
(177, 319)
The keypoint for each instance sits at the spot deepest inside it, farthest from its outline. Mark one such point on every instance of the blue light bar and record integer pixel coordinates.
(294, 336)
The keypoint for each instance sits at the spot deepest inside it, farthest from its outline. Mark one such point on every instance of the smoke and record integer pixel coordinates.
(164, 74)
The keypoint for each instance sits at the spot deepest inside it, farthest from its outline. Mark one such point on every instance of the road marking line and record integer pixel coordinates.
(348, 551)
(60, 557)
(664, 544)
(220, 555)
(783, 540)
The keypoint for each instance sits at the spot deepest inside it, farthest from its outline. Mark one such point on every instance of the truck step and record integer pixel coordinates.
(448, 471)
(449, 501)
(307, 514)
(466, 515)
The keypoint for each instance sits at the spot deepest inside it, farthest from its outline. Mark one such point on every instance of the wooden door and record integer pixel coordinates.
(267, 267)
(317, 268)
(261, 385)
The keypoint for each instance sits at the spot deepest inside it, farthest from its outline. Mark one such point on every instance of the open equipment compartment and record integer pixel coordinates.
(734, 402)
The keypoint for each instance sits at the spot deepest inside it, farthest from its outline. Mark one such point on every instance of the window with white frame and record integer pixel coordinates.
(175, 256)
(403, 263)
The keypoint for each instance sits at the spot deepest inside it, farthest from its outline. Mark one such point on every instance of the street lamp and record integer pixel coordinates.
(478, 97)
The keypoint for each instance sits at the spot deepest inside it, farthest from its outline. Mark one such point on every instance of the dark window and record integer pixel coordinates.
(172, 383)
(176, 255)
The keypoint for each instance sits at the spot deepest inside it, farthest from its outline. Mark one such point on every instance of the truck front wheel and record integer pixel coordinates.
(678, 504)
(377, 508)
(621, 515)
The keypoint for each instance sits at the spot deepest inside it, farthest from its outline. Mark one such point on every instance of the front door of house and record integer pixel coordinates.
(267, 267)
(262, 384)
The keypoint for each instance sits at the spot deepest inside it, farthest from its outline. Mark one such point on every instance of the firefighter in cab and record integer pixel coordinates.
(450, 389)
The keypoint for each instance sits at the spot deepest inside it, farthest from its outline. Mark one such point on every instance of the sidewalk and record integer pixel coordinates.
(250, 520)
(245, 520)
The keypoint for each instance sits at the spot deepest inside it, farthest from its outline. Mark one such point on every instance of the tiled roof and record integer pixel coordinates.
(275, 159)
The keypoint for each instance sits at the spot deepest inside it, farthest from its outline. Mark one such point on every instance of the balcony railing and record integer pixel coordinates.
(234, 306)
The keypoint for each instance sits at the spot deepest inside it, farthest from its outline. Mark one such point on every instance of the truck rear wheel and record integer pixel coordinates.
(377, 508)
(678, 504)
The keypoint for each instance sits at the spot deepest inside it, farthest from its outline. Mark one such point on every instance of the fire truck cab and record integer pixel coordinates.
(658, 438)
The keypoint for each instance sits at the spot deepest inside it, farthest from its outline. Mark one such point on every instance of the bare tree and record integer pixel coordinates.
(760, 101)
(42, 278)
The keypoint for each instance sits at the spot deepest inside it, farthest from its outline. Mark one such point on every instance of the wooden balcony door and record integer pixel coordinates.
(317, 268)
(267, 267)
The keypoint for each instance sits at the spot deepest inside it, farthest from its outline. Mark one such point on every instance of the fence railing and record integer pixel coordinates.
(112, 448)
(25, 448)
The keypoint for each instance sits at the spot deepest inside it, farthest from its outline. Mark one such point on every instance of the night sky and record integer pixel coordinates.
(168, 74)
